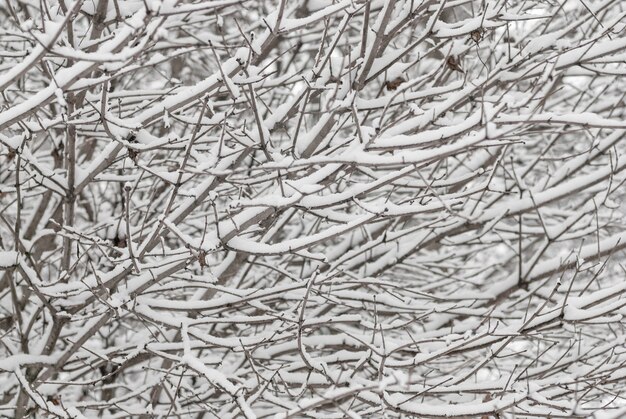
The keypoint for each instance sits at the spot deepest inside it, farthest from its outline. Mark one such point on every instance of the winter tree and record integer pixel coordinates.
(312, 208)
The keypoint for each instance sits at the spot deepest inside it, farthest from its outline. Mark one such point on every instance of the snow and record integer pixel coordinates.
(405, 404)
(292, 24)
(65, 77)
(427, 137)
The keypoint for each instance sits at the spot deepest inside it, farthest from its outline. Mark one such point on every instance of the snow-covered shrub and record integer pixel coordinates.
(312, 208)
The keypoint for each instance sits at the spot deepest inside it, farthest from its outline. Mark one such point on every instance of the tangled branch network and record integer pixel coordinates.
(312, 208)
